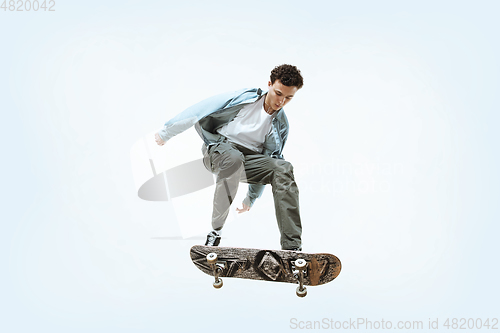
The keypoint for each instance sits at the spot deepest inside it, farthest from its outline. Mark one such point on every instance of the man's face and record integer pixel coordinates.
(279, 95)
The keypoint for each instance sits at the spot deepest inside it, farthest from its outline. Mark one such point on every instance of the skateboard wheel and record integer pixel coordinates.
(300, 264)
(212, 258)
(301, 293)
(218, 284)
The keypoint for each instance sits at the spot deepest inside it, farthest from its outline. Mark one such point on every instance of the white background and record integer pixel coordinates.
(392, 139)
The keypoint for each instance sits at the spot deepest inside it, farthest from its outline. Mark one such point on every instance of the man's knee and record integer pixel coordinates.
(235, 157)
(285, 167)
(231, 161)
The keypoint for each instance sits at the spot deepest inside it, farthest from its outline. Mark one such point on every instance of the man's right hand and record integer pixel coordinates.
(159, 140)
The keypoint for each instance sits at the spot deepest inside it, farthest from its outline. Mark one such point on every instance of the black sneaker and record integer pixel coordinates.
(213, 239)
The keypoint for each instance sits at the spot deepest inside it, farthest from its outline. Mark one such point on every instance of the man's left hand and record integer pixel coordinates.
(245, 208)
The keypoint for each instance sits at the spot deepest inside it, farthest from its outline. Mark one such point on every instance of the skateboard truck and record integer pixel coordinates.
(301, 266)
(217, 268)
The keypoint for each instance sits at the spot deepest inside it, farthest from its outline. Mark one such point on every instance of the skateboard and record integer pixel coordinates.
(305, 269)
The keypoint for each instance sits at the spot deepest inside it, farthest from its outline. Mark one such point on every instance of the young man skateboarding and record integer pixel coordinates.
(244, 133)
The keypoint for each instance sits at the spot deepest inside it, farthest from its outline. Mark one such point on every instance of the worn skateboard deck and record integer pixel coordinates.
(267, 265)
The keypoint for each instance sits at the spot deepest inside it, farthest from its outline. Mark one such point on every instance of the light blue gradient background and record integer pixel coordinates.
(412, 86)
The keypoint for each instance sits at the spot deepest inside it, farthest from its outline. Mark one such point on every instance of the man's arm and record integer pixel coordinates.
(193, 114)
(254, 192)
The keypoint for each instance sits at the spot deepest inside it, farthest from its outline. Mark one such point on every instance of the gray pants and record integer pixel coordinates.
(232, 164)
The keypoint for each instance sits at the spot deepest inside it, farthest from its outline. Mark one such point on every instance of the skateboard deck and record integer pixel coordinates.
(267, 265)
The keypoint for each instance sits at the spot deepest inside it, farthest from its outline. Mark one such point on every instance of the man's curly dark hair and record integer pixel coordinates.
(288, 75)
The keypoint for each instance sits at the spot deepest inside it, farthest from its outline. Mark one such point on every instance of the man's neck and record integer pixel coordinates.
(269, 110)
